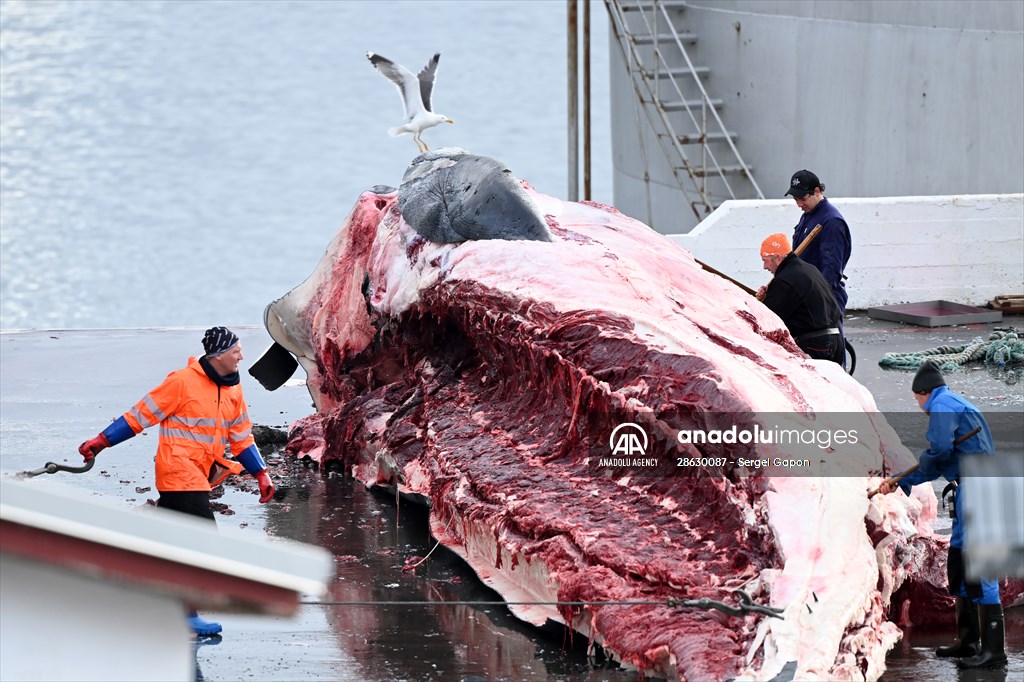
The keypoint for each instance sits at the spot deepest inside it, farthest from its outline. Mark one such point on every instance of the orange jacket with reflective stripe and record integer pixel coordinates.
(198, 421)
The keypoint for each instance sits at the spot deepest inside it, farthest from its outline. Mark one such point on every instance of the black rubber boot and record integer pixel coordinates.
(968, 630)
(992, 629)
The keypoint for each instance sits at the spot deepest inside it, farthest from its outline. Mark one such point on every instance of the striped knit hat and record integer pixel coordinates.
(218, 340)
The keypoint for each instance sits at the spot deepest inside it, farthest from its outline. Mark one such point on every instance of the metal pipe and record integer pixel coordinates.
(572, 41)
(586, 100)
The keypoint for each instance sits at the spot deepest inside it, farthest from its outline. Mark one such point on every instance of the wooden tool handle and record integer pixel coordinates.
(713, 271)
(800, 249)
(897, 479)
(807, 240)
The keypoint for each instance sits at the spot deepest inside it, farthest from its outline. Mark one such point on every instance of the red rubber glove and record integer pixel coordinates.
(93, 447)
(266, 486)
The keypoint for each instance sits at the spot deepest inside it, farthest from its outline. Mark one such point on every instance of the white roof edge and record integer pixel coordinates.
(838, 199)
(167, 536)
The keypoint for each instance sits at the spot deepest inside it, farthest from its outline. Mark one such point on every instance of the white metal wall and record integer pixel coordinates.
(965, 249)
(878, 98)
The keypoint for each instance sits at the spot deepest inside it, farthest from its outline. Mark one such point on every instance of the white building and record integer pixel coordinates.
(89, 591)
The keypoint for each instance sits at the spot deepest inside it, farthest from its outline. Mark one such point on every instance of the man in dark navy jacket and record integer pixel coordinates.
(830, 250)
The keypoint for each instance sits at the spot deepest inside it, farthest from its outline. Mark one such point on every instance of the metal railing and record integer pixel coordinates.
(654, 26)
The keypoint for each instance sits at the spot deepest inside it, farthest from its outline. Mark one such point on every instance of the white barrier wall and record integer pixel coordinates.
(965, 249)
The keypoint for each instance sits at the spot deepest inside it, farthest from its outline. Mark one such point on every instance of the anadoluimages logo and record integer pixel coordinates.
(628, 440)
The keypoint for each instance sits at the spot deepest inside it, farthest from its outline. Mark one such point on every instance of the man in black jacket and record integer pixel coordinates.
(803, 299)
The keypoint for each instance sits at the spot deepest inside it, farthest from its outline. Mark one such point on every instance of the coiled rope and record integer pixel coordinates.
(1003, 347)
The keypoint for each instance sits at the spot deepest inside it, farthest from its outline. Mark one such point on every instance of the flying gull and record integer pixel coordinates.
(415, 92)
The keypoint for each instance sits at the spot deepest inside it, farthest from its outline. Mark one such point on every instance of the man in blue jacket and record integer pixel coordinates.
(830, 250)
(979, 613)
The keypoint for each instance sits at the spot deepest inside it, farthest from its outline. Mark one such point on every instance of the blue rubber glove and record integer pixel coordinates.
(254, 464)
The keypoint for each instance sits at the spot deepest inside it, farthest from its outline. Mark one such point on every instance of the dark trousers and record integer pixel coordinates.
(957, 577)
(827, 347)
(192, 502)
(841, 297)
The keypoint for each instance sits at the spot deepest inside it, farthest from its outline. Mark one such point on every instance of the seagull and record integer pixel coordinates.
(415, 92)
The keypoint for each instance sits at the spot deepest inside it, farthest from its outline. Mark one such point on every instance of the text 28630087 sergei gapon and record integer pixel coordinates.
(763, 463)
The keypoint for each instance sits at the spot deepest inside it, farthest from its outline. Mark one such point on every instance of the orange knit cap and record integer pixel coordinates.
(775, 245)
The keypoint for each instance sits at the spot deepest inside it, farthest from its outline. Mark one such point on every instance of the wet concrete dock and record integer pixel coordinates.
(58, 388)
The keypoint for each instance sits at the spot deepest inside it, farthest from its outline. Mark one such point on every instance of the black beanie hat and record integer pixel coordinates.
(217, 340)
(928, 377)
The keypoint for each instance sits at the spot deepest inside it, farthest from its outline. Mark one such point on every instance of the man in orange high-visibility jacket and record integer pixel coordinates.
(202, 413)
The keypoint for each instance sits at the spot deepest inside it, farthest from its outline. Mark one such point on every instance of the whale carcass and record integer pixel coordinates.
(484, 376)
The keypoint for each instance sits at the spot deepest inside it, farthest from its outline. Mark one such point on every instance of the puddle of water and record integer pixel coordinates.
(373, 539)
(914, 660)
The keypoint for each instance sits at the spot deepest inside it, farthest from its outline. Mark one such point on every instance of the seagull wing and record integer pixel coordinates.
(407, 83)
(426, 79)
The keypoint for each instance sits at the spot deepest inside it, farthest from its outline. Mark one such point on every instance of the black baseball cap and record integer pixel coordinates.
(803, 183)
